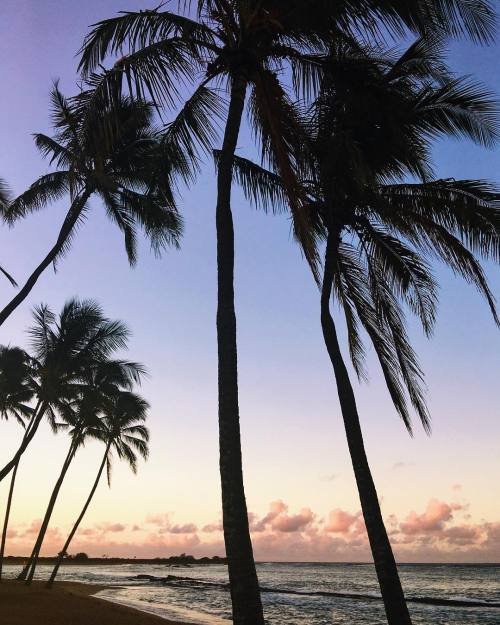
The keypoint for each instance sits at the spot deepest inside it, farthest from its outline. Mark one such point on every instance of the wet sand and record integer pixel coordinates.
(66, 603)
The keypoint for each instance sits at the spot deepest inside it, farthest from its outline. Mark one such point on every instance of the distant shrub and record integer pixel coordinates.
(81, 556)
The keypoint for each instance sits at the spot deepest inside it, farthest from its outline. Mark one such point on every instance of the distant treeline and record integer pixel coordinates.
(182, 560)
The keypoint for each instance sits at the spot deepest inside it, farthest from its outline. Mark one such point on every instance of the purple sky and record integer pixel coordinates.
(293, 439)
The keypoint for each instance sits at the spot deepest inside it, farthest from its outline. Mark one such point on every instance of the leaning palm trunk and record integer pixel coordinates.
(79, 520)
(245, 594)
(27, 438)
(68, 225)
(29, 570)
(7, 515)
(385, 564)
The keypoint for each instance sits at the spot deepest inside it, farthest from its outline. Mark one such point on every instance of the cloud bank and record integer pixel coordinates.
(442, 532)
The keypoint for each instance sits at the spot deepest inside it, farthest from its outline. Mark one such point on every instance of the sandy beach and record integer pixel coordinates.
(67, 603)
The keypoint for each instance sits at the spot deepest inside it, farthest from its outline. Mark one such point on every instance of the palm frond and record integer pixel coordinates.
(58, 153)
(407, 274)
(459, 108)
(4, 194)
(194, 127)
(8, 276)
(47, 188)
(277, 126)
(161, 223)
(260, 186)
(136, 30)
(469, 209)
(369, 295)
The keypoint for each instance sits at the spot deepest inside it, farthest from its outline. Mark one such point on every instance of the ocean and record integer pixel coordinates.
(299, 593)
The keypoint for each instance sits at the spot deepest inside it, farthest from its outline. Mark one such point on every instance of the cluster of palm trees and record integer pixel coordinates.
(72, 380)
(344, 125)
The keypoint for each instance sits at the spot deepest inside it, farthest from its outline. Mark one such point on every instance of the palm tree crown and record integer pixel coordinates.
(65, 350)
(369, 130)
(121, 166)
(123, 429)
(212, 42)
(124, 162)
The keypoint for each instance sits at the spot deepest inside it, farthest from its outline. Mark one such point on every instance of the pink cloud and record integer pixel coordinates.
(278, 520)
(293, 523)
(112, 527)
(463, 534)
(433, 519)
(432, 535)
(340, 521)
(275, 509)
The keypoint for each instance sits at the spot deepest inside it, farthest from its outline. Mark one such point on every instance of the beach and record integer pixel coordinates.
(292, 594)
(66, 603)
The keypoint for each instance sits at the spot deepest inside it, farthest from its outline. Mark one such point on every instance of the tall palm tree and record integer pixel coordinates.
(16, 393)
(245, 45)
(370, 126)
(65, 348)
(82, 414)
(118, 163)
(122, 430)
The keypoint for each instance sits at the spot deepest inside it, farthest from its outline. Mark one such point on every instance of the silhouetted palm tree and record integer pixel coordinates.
(65, 348)
(16, 392)
(246, 44)
(372, 125)
(118, 163)
(100, 386)
(122, 430)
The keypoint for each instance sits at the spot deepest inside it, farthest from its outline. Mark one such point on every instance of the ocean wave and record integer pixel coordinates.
(190, 582)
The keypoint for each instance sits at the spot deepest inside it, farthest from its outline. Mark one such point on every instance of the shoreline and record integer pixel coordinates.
(36, 604)
(88, 561)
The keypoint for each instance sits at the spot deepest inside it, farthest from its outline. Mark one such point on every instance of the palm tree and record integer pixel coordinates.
(65, 348)
(245, 45)
(122, 430)
(119, 164)
(16, 391)
(100, 386)
(370, 126)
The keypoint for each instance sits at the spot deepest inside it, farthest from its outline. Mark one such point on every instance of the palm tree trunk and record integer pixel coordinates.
(68, 225)
(7, 514)
(29, 570)
(385, 564)
(245, 594)
(79, 519)
(27, 438)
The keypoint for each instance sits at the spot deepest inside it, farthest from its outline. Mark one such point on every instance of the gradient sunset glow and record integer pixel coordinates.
(439, 494)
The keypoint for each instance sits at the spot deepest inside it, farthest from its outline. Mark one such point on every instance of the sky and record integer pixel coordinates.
(439, 494)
